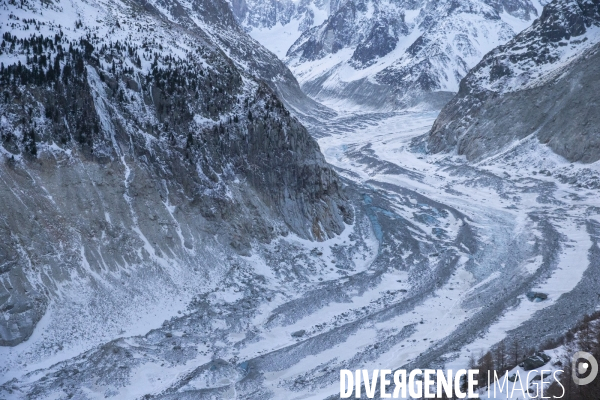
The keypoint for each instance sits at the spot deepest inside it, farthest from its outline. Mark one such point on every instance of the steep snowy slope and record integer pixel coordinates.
(545, 82)
(384, 53)
(217, 20)
(277, 24)
(135, 156)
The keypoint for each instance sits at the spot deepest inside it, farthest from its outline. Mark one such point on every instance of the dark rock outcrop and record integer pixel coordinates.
(535, 361)
(536, 296)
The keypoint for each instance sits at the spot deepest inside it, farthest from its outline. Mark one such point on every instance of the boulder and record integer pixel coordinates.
(535, 361)
(536, 296)
(299, 333)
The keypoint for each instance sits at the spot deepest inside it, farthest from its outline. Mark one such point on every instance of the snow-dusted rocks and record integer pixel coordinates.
(545, 82)
(278, 23)
(256, 14)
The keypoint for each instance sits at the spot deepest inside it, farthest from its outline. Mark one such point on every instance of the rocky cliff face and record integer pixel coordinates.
(393, 54)
(544, 83)
(276, 24)
(266, 14)
(136, 154)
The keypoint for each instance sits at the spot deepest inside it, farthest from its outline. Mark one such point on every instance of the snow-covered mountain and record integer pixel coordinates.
(142, 142)
(383, 53)
(269, 13)
(545, 82)
(169, 230)
(277, 24)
